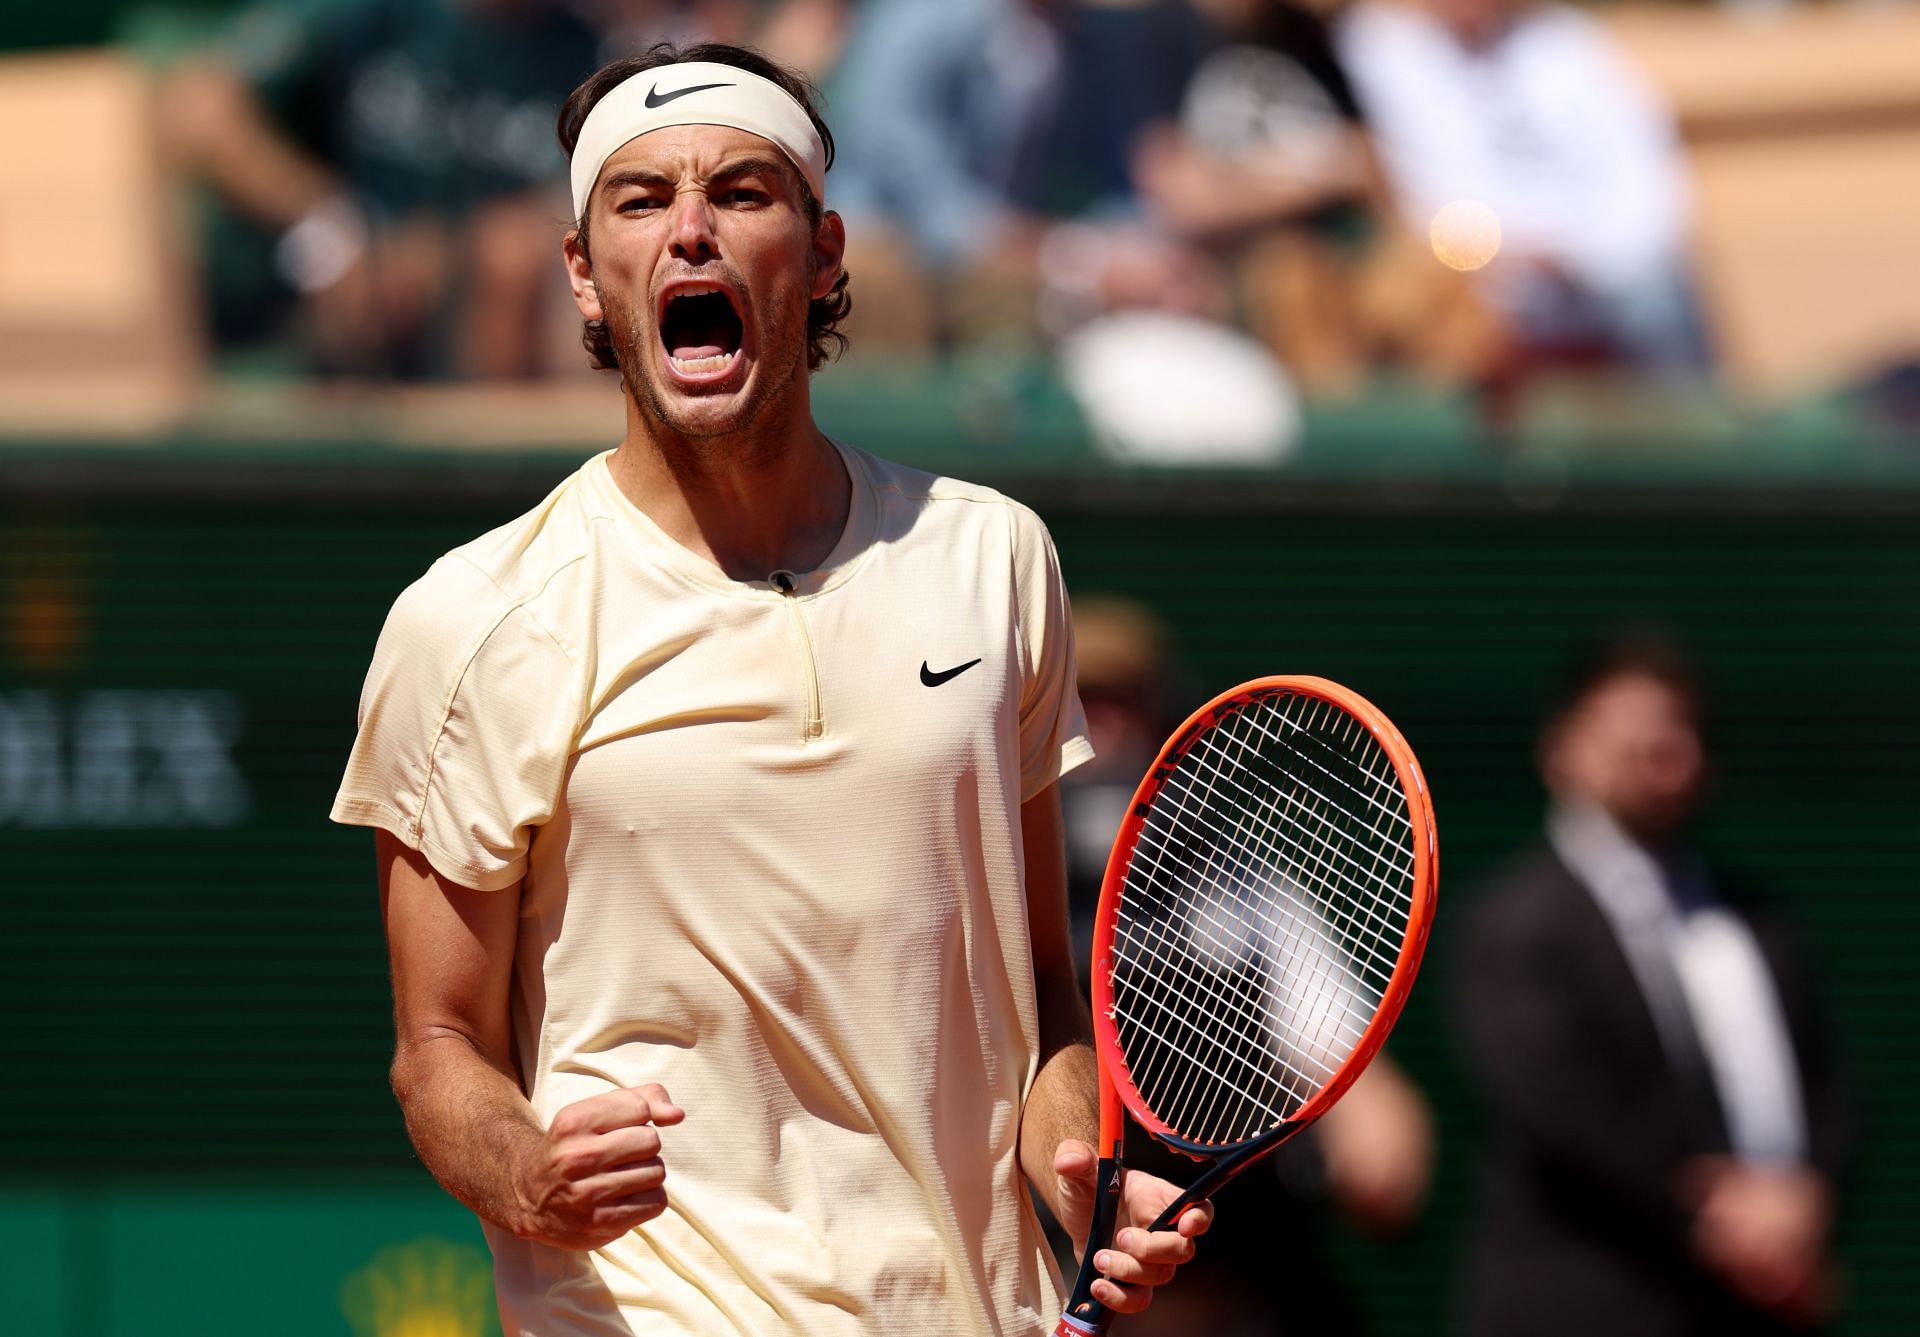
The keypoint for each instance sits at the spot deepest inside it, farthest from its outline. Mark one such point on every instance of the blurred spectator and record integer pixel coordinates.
(1128, 689)
(1023, 168)
(803, 34)
(974, 127)
(1268, 130)
(1270, 164)
(1126, 65)
(806, 35)
(393, 161)
(942, 108)
(1371, 1156)
(1667, 1123)
(973, 122)
(635, 25)
(1528, 111)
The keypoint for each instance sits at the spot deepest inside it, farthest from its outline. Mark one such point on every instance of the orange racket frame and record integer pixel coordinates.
(1118, 1094)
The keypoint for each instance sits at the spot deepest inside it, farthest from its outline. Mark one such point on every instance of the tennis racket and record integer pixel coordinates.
(1263, 914)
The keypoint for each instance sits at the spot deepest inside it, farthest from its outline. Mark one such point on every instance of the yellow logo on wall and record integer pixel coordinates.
(429, 1288)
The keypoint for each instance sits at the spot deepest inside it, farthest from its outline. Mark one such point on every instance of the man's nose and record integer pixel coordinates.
(693, 236)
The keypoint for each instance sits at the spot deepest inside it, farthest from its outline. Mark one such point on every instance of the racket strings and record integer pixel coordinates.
(1309, 856)
(1261, 916)
(1211, 1036)
(1245, 1012)
(1313, 967)
(1314, 850)
(1317, 972)
(1223, 928)
(1307, 1070)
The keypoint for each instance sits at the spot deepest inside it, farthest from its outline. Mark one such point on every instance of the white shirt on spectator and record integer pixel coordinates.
(1705, 981)
(1546, 124)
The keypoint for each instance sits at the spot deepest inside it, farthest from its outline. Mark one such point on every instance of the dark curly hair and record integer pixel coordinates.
(824, 339)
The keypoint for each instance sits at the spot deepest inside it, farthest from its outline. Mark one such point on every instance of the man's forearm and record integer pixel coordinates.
(470, 1122)
(1064, 1102)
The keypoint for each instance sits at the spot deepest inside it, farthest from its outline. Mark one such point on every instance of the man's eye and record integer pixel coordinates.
(640, 204)
(745, 195)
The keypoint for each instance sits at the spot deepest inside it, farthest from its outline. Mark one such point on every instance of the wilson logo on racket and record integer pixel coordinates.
(1263, 915)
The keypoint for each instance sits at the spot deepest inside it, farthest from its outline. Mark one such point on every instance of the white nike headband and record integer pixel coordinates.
(696, 93)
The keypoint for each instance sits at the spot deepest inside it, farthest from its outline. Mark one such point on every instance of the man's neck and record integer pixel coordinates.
(1571, 810)
(773, 497)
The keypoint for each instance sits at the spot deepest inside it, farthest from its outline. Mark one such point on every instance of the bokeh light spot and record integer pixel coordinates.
(1465, 235)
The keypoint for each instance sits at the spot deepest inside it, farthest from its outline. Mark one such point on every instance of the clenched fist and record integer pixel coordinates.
(597, 1173)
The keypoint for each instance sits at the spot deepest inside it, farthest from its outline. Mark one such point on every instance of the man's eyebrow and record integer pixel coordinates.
(757, 165)
(633, 176)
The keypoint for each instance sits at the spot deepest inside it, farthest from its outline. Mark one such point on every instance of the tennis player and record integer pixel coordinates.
(719, 840)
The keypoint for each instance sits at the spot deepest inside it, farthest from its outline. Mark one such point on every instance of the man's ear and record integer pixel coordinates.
(580, 276)
(829, 253)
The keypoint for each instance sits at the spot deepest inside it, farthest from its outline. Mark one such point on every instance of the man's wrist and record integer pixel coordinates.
(520, 1155)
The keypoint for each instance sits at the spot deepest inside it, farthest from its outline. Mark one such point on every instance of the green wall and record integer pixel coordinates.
(372, 1254)
(192, 969)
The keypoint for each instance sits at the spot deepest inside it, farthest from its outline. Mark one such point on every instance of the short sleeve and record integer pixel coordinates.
(465, 728)
(1053, 727)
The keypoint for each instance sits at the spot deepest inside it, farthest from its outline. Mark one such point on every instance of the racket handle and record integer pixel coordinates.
(1086, 1316)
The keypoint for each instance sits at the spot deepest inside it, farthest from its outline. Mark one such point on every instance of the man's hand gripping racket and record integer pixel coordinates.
(1264, 911)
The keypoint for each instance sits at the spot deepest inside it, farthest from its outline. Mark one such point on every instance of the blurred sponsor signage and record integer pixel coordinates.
(430, 1287)
(121, 759)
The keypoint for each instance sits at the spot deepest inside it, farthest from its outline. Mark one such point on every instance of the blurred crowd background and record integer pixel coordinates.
(1549, 373)
(1294, 198)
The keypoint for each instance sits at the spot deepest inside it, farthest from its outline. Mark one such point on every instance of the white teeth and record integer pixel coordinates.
(699, 365)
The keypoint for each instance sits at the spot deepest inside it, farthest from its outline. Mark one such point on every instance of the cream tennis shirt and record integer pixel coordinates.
(768, 865)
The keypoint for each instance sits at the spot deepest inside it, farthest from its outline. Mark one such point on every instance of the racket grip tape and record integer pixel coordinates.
(1086, 1316)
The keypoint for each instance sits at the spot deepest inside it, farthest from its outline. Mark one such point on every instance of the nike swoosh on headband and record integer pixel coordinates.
(655, 98)
(729, 96)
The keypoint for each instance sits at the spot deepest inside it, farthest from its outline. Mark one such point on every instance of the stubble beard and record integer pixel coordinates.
(636, 351)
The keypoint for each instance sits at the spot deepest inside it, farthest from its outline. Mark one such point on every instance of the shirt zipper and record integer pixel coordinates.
(814, 725)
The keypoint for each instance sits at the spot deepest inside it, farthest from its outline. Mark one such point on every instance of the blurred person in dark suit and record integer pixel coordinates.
(389, 179)
(1667, 1122)
(1370, 1158)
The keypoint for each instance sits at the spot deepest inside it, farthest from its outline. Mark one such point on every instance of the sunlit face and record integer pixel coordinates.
(703, 264)
(1632, 747)
(1475, 21)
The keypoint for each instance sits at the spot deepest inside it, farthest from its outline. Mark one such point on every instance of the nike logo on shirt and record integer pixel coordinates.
(655, 98)
(932, 679)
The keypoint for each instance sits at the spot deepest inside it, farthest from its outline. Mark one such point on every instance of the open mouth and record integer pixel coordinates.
(700, 329)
